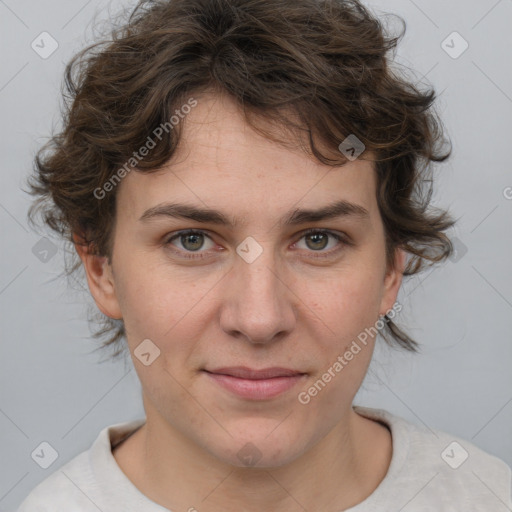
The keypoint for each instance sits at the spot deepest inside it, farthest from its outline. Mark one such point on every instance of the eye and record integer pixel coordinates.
(190, 241)
(195, 244)
(316, 240)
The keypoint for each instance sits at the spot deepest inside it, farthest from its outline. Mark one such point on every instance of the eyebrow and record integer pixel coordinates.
(335, 210)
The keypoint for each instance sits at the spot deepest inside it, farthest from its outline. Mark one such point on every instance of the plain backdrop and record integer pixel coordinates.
(55, 389)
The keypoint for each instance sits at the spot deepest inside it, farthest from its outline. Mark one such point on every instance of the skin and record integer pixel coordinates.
(288, 308)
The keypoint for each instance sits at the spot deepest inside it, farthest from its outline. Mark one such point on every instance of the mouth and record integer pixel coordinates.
(255, 384)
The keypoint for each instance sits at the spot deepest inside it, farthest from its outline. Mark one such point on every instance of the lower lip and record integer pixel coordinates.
(253, 389)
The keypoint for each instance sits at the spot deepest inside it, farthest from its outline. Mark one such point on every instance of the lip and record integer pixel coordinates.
(255, 384)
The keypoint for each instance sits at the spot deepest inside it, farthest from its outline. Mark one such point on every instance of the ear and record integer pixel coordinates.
(393, 281)
(99, 278)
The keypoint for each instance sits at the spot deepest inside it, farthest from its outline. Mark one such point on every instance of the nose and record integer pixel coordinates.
(257, 303)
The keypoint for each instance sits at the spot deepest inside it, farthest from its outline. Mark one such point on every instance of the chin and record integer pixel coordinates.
(260, 447)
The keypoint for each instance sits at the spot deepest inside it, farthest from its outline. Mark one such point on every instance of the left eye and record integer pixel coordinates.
(317, 241)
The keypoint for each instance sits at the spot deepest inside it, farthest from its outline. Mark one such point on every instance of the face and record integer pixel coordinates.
(263, 289)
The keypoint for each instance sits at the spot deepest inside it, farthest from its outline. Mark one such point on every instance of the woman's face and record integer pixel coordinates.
(250, 289)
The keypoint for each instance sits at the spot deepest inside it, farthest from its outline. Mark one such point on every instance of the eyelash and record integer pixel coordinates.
(200, 255)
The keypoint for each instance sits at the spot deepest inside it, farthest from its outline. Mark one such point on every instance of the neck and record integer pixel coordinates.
(340, 471)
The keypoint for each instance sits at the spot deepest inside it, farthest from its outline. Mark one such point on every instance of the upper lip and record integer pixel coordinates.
(242, 372)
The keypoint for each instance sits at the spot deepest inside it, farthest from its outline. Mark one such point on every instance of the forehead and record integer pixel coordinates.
(222, 163)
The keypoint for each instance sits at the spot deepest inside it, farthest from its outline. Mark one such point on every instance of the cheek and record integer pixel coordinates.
(347, 302)
(154, 301)
(344, 354)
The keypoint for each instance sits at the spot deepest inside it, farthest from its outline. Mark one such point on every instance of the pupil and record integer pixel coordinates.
(196, 239)
(318, 237)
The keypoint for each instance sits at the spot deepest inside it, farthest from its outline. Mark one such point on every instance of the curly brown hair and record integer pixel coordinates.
(319, 67)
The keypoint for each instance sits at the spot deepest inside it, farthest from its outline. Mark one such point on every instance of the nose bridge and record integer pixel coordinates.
(259, 279)
(259, 306)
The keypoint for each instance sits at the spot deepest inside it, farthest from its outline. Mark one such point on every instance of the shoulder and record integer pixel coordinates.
(61, 489)
(432, 466)
(459, 469)
(84, 482)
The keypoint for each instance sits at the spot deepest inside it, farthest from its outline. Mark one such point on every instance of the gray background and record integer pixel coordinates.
(54, 388)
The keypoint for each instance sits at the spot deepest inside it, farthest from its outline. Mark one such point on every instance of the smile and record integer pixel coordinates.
(256, 384)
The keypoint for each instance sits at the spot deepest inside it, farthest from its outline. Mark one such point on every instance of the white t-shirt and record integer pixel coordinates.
(430, 471)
